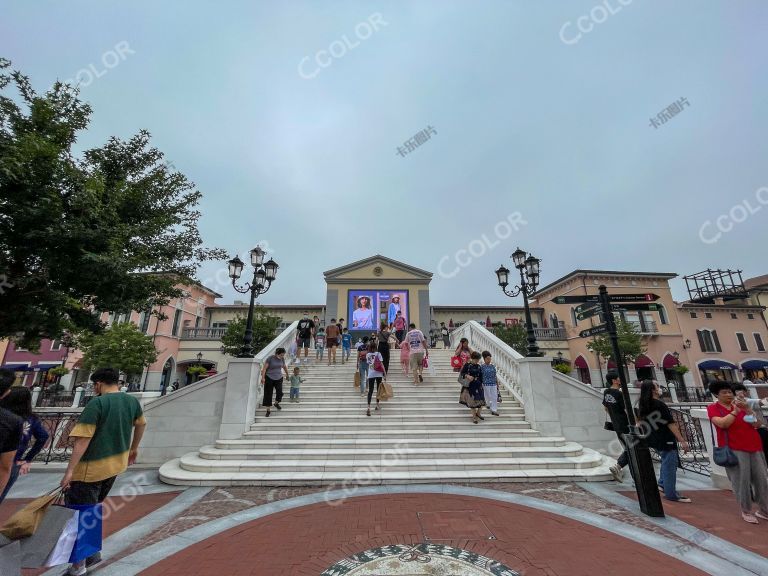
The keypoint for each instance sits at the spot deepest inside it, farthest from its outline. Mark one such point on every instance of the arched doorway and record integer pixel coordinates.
(169, 373)
(645, 368)
(583, 370)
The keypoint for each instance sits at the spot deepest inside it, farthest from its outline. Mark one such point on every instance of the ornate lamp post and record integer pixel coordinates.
(528, 266)
(264, 274)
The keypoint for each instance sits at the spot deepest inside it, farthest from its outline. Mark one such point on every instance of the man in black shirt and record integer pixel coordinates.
(613, 401)
(306, 329)
(10, 431)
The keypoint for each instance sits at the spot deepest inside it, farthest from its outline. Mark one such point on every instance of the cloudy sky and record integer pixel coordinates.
(288, 116)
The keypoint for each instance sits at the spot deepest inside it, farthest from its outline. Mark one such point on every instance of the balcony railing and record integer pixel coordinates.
(203, 333)
(645, 327)
(549, 333)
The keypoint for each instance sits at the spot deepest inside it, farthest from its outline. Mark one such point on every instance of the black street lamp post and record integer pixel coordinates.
(528, 266)
(264, 274)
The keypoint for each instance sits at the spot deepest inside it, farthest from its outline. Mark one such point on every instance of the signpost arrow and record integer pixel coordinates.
(586, 307)
(594, 330)
(588, 313)
(649, 306)
(590, 298)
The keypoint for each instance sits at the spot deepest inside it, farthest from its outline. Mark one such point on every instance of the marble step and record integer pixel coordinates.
(405, 407)
(361, 423)
(384, 428)
(299, 441)
(410, 449)
(392, 462)
(172, 473)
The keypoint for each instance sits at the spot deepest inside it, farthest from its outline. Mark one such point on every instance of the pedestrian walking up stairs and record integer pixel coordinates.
(422, 435)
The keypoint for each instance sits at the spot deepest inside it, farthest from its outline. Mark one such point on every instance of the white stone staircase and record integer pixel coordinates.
(422, 435)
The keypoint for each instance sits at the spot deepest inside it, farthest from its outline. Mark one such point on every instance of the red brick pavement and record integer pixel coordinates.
(120, 515)
(716, 512)
(307, 540)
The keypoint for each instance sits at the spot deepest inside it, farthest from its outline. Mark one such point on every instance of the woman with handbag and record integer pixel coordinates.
(739, 450)
(376, 373)
(471, 378)
(383, 343)
(463, 353)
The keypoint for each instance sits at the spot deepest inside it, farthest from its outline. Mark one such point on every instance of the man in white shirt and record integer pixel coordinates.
(418, 344)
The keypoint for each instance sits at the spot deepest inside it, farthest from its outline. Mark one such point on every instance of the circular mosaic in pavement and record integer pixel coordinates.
(420, 560)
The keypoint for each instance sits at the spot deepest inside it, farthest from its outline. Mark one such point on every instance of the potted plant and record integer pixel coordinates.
(681, 369)
(563, 368)
(196, 372)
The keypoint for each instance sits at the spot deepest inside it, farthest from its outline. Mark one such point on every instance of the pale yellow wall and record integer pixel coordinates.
(366, 272)
(462, 316)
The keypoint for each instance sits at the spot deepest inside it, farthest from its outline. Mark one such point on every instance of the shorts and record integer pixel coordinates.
(304, 342)
(332, 342)
(88, 492)
(416, 360)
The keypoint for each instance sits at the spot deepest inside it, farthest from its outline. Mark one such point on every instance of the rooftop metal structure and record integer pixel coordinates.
(704, 287)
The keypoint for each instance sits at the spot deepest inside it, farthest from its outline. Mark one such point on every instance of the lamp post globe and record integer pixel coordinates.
(528, 265)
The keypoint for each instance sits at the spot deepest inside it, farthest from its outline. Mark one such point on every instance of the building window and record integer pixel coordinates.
(663, 315)
(197, 321)
(759, 342)
(707, 315)
(694, 315)
(751, 316)
(734, 316)
(708, 341)
(176, 319)
(219, 324)
(742, 342)
(144, 321)
(55, 345)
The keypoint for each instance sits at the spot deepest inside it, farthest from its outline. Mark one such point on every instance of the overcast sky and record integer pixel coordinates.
(288, 115)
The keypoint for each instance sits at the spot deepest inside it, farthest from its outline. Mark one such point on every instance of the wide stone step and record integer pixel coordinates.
(405, 407)
(392, 461)
(357, 452)
(172, 473)
(276, 433)
(299, 440)
(363, 424)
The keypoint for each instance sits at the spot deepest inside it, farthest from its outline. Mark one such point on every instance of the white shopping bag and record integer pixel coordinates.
(431, 368)
(63, 550)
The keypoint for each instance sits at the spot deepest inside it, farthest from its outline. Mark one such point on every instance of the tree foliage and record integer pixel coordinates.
(514, 336)
(631, 344)
(122, 346)
(76, 230)
(264, 331)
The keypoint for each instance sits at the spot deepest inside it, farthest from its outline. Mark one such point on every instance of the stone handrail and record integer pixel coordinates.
(505, 358)
(283, 340)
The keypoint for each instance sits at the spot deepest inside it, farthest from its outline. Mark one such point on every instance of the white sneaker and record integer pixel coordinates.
(78, 569)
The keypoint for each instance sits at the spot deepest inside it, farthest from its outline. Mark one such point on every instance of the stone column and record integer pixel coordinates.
(538, 388)
(240, 398)
(718, 476)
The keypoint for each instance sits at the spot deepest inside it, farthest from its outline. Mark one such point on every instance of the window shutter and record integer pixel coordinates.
(759, 342)
(716, 341)
(701, 340)
(742, 342)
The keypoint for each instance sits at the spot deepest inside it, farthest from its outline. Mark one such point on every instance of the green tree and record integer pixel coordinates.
(122, 346)
(74, 231)
(631, 344)
(264, 331)
(515, 336)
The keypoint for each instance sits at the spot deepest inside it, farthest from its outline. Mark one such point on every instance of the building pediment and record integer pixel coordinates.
(377, 268)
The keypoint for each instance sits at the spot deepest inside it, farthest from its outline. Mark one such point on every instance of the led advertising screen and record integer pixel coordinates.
(369, 308)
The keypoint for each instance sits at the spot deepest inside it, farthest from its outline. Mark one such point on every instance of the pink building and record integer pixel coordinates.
(32, 368)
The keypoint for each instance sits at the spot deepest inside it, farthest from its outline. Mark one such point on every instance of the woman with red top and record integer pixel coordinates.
(463, 351)
(737, 428)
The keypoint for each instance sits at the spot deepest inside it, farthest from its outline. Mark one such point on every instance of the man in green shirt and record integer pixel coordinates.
(103, 446)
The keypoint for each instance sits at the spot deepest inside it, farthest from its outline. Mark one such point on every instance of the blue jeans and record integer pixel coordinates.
(363, 368)
(11, 479)
(345, 353)
(294, 393)
(668, 474)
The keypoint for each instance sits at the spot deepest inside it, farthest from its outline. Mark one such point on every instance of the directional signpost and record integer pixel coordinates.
(594, 330)
(639, 455)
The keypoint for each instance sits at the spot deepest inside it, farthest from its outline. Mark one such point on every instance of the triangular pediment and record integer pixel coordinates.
(377, 268)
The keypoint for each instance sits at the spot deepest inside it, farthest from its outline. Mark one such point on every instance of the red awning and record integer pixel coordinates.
(643, 361)
(581, 363)
(669, 362)
(611, 364)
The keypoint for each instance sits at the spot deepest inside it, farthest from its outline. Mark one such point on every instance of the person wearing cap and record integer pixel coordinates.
(394, 308)
(613, 401)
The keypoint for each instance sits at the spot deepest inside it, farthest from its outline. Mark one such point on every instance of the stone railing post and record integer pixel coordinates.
(240, 397)
(124, 389)
(35, 395)
(672, 392)
(717, 473)
(78, 396)
(538, 389)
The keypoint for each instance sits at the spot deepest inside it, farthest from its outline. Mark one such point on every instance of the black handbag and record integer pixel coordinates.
(609, 426)
(723, 455)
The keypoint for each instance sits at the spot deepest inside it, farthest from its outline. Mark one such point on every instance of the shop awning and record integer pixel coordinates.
(755, 365)
(669, 362)
(611, 364)
(42, 366)
(581, 363)
(717, 365)
(643, 361)
(16, 367)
